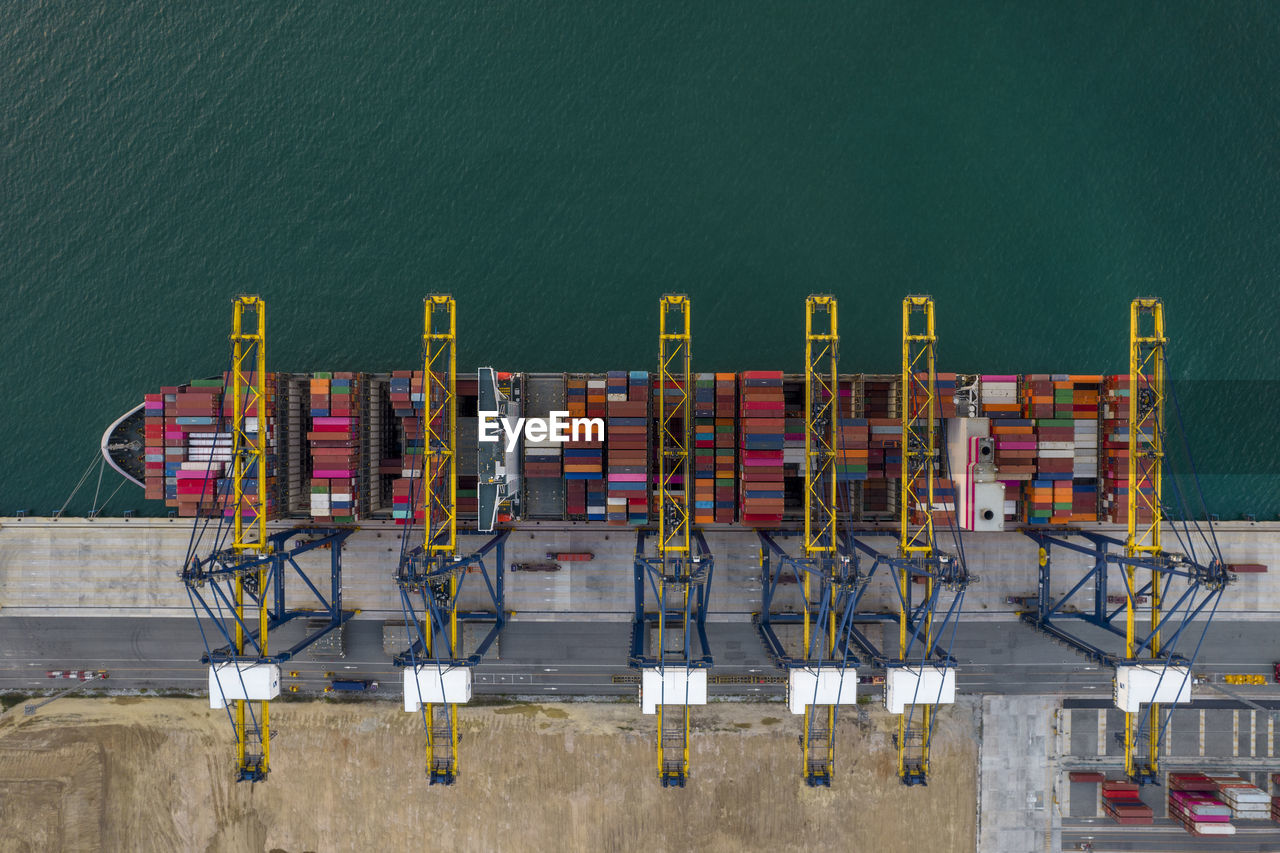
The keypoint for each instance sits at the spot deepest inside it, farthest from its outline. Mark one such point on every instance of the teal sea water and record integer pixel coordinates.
(558, 166)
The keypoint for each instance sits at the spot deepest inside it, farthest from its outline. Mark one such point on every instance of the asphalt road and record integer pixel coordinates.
(1106, 837)
(575, 658)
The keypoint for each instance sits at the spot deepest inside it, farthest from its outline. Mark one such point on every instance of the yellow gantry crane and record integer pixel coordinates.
(1146, 469)
(914, 686)
(249, 462)
(674, 671)
(824, 674)
(915, 541)
(431, 573)
(674, 483)
(246, 578)
(821, 547)
(1150, 672)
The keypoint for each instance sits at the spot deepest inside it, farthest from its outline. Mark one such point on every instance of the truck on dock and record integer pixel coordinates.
(351, 685)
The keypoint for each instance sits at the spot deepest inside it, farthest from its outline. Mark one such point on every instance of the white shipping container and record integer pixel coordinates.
(253, 681)
(672, 686)
(432, 684)
(918, 686)
(1136, 685)
(824, 685)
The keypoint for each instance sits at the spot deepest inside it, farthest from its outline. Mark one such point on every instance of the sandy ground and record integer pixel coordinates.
(155, 774)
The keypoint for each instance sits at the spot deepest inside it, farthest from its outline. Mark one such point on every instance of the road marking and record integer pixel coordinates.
(1102, 734)
(1202, 715)
(1253, 733)
(1235, 734)
(1271, 735)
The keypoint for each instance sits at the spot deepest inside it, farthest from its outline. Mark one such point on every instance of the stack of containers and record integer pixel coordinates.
(596, 408)
(468, 501)
(945, 389)
(1115, 448)
(852, 443)
(638, 392)
(335, 446)
(1066, 409)
(1247, 801)
(1122, 803)
(725, 451)
(201, 454)
(761, 440)
(998, 394)
(944, 502)
(407, 401)
(944, 491)
(1016, 449)
(1049, 498)
(704, 448)
(884, 455)
(793, 428)
(153, 446)
(1193, 805)
(1086, 392)
(174, 449)
(582, 458)
(628, 435)
(542, 459)
(218, 447)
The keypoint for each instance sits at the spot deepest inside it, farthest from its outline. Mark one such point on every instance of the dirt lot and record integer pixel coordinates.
(155, 774)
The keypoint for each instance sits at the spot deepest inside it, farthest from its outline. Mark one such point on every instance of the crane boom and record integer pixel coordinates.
(916, 540)
(821, 405)
(440, 523)
(1146, 464)
(674, 382)
(249, 454)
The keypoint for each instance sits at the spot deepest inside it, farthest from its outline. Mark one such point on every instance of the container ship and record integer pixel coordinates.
(342, 447)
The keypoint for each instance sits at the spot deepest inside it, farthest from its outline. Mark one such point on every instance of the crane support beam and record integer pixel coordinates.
(249, 456)
(211, 582)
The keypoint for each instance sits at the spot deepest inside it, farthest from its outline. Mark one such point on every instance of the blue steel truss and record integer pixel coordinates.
(672, 595)
(842, 586)
(690, 612)
(210, 583)
(426, 588)
(431, 583)
(1205, 584)
(841, 592)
